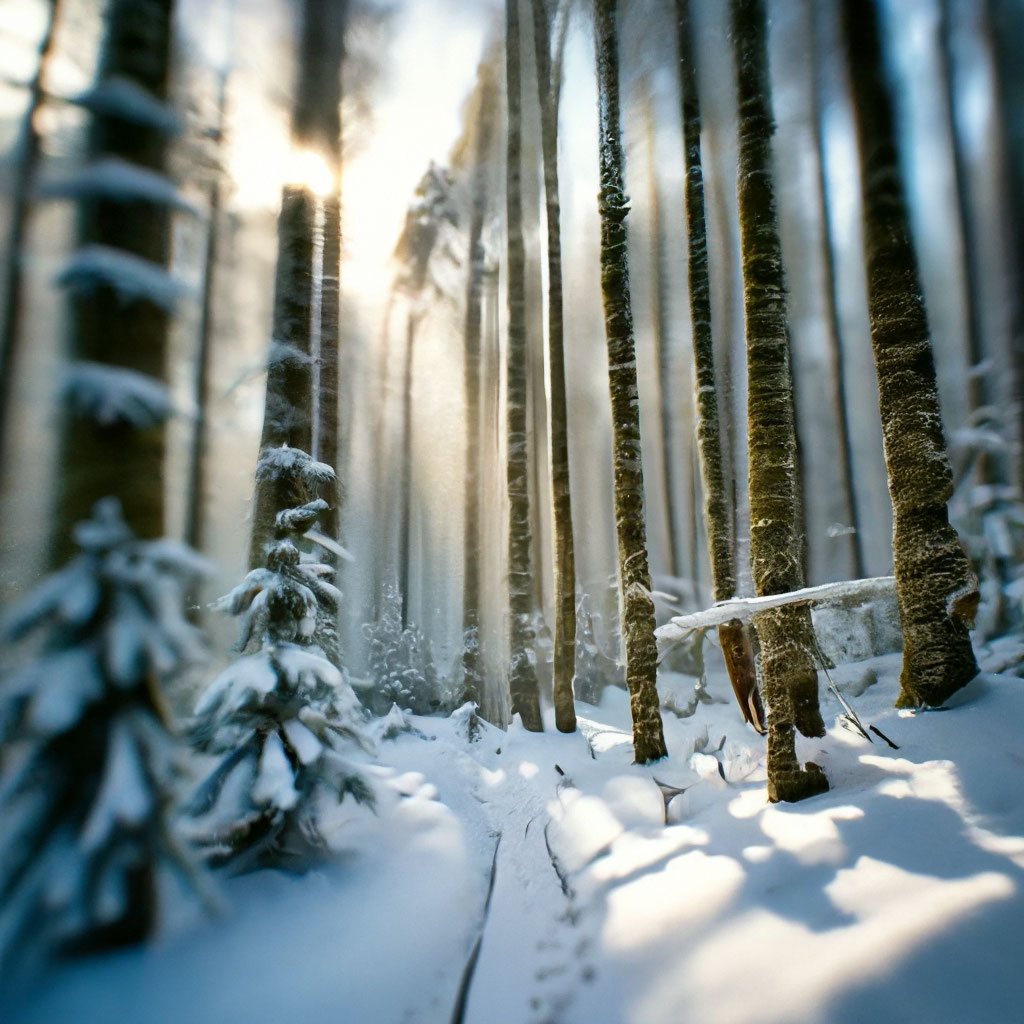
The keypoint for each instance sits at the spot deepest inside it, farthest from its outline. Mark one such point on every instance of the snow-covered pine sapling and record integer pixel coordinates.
(90, 766)
(401, 664)
(283, 721)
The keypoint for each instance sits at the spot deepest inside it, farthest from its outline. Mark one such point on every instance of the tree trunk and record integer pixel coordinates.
(472, 663)
(317, 127)
(718, 513)
(28, 148)
(634, 576)
(197, 469)
(549, 84)
(121, 459)
(288, 411)
(663, 350)
(523, 686)
(790, 679)
(405, 484)
(935, 587)
(1004, 20)
(837, 373)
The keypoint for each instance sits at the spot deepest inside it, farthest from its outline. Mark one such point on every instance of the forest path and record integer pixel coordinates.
(532, 956)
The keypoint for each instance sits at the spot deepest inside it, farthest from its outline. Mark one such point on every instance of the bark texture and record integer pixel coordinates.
(472, 665)
(634, 575)
(935, 586)
(523, 687)
(288, 412)
(549, 85)
(718, 512)
(789, 676)
(121, 459)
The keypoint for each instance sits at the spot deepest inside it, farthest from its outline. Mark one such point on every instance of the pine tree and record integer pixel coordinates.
(400, 664)
(634, 576)
(91, 768)
(549, 87)
(522, 675)
(789, 675)
(283, 721)
(935, 586)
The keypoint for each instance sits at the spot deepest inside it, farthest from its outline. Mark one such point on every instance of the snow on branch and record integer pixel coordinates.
(124, 99)
(850, 592)
(131, 277)
(112, 394)
(119, 181)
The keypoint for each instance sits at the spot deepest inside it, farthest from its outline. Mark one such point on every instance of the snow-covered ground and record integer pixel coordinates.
(525, 879)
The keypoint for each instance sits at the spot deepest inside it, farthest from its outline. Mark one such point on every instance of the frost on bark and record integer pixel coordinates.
(472, 665)
(523, 688)
(789, 676)
(734, 637)
(935, 586)
(288, 412)
(634, 576)
(121, 458)
(549, 84)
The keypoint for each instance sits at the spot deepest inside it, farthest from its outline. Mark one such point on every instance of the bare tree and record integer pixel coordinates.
(789, 675)
(523, 686)
(634, 576)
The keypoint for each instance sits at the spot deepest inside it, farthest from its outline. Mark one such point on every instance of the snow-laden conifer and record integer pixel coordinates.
(283, 721)
(90, 766)
(401, 664)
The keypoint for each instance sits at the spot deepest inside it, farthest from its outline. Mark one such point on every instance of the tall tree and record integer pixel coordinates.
(121, 296)
(301, 355)
(523, 687)
(835, 334)
(718, 513)
(288, 409)
(549, 88)
(29, 150)
(935, 586)
(634, 576)
(318, 128)
(789, 675)
(487, 100)
(198, 469)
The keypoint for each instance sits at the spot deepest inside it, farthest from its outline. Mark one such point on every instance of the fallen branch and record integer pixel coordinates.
(848, 592)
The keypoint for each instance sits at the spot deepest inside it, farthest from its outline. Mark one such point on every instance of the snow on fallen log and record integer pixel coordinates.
(847, 592)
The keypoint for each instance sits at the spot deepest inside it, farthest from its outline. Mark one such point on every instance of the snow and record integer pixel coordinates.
(744, 608)
(657, 894)
(126, 99)
(120, 181)
(133, 278)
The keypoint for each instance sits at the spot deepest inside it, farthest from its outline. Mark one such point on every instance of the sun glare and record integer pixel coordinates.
(310, 170)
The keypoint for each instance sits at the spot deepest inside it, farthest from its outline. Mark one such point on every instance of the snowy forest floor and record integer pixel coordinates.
(593, 897)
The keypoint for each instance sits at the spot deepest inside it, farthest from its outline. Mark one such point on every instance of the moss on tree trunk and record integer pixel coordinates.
(523, 687)
(789, 676)
(121, 459)
(935, 585)
(634, 576)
